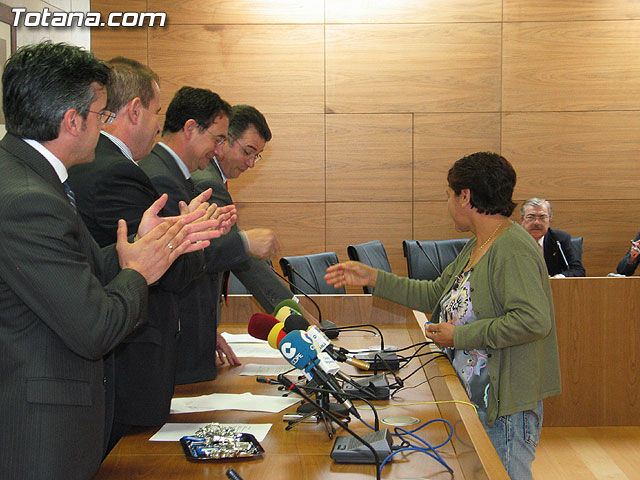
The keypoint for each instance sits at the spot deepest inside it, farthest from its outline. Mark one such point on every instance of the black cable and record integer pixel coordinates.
(438, 355)
(350, 395)
(422, 383)
(335, 418)
(352, 327)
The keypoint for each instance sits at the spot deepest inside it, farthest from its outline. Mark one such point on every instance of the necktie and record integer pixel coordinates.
(191, 188)
(71, 196)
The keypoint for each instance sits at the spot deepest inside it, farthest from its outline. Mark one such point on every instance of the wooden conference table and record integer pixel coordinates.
(303, 453)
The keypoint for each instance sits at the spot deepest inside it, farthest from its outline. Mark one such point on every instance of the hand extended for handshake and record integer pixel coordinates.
(358, 274)
(161, 240)
(351, 273)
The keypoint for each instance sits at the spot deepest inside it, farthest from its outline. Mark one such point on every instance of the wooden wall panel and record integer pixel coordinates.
(412, 68)
(588, 155)
(292, 168)
(300, 230)
(440, 139)
(557, 10)
(277, 69)
(369, 158)
(351, 223)
(212, 12)
(571, 66)
(431, 221)
(412, 11)
(107, 43)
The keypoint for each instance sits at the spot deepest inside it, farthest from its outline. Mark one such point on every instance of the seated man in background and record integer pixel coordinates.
(561, 258)
(629, 263)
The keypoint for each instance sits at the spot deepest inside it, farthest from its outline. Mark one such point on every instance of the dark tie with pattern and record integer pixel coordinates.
(72, 197)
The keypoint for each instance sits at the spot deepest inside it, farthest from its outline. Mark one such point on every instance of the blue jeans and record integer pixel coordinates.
(515, 438)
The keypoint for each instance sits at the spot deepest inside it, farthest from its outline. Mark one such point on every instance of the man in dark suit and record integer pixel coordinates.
(141, 383)
(64, 302)
(559, 254)
(195, 127)
(629, 262)
(247, 137)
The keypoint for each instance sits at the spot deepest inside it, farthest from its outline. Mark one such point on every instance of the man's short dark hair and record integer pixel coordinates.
(199, 104)
(129, 79)
(245, 116)
(43, 81)
(489, 177)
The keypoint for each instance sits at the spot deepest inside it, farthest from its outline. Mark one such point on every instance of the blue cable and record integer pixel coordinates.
(435, 455)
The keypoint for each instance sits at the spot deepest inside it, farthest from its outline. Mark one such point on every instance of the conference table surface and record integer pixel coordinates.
(303, 452)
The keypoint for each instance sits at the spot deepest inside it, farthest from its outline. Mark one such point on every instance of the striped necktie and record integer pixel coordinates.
(71, 196)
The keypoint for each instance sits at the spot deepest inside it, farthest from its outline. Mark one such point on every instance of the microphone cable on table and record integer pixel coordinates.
(335, 418)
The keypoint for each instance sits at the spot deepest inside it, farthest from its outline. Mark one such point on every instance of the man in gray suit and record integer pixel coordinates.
(64, 302)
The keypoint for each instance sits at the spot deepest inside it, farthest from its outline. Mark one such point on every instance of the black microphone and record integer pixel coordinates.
(428, 257)
(281, 380)
(562, 253)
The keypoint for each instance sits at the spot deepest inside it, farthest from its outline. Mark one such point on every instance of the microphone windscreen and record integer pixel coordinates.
(273, 335)
(295, 322)
(260, 324)
(285, 312)
(297, 349)
(289, 302)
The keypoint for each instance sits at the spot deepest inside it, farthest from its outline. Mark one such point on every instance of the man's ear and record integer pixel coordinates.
(72, 122)
(190, 128)
(134, 110)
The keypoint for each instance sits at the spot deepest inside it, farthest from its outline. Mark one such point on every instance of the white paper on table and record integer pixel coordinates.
(240, 338)
(254, 369)
(255, 350)
(232, 401)
(173, 432)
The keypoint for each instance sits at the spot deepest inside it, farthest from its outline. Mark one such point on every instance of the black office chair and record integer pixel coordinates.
(372, 254)
(307, 273)
(577, 245)
(437, 255)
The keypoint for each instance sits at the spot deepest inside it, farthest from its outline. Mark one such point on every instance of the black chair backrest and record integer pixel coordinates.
(311, 268)
(372, 254)
(437, 255)
(577, 245)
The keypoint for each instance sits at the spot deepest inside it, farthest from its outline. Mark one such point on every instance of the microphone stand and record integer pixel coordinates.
(428, 258)
(328, 326)
(332, 416)
(299, 290)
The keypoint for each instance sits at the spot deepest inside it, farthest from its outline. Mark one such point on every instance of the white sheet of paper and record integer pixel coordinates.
(232, 401)
(255, 350)
(173, 432)
(240, 338)
(254, 369)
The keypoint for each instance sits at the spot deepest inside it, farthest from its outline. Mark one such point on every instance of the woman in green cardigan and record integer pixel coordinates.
(491, 309)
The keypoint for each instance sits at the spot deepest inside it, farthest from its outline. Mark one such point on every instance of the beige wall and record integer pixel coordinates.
(371, 102)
